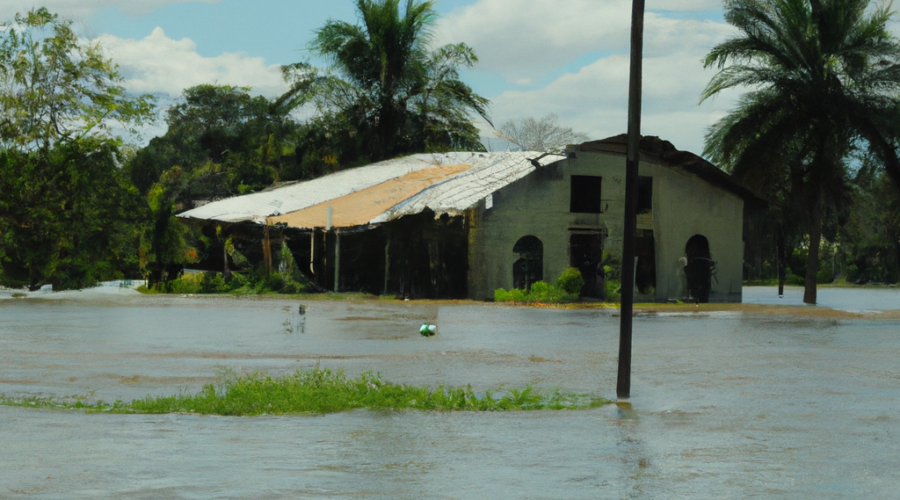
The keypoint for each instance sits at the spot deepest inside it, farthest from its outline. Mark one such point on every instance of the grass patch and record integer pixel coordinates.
(324, 391)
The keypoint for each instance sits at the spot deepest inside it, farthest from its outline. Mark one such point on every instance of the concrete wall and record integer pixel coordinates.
(538, 205)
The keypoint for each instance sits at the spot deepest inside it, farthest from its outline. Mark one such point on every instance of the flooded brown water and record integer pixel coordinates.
(724, 404)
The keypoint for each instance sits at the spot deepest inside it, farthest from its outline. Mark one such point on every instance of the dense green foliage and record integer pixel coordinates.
(76, 207)
(566, 289)
(324, 391)
(254, 282)
(68, 216)
(222, 142)
(825, 79)
(389, 92)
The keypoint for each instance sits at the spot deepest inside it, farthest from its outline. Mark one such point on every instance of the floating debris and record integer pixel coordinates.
(302, 309)
(428, 330)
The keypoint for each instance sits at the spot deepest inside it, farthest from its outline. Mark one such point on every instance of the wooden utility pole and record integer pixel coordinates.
(633, 154)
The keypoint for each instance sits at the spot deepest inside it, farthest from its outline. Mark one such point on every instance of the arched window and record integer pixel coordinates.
(530, 266)
(699, 268)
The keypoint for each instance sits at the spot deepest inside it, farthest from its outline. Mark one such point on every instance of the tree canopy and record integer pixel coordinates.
(823, 79)
(397, 95)
(67, 214)
(55, 86)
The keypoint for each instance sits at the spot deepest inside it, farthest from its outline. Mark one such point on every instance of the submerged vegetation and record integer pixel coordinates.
(321, 390)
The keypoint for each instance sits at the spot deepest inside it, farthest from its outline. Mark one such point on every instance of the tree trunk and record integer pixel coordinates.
(780, 259)
(812, 263)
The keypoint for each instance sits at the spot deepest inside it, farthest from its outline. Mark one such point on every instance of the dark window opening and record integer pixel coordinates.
(645, 195)
(585, 194)
(529, 269)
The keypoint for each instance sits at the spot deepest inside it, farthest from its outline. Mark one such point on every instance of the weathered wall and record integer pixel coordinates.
(683, 207)
(538, 205)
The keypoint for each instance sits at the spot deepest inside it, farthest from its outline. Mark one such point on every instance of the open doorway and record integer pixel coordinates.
(645, 251)
(586, 255)
(699, 268)
(529, 268)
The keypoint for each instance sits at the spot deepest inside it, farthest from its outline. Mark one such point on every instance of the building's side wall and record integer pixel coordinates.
(688, 206)
(531, 206)
(538, 205)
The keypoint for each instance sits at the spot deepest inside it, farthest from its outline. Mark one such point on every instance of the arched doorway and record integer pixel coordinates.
(699, 268)
(529, 268)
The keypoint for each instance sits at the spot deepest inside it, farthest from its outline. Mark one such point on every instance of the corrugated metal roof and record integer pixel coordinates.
(448, 182)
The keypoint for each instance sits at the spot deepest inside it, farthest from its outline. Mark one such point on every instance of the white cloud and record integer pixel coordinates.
(684, 5)
(523, 40)
(80, 8)
(159, 64)
(594, 100)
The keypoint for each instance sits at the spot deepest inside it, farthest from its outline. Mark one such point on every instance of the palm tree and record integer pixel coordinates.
(824, 79)
(384, 74)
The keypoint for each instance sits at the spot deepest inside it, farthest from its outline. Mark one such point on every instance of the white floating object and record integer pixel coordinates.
(428, 330)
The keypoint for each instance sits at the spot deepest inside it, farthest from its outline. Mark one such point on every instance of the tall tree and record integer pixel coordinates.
(384, 78)
(824, 76)
(55, 86)
(67, 214)
(221, 138)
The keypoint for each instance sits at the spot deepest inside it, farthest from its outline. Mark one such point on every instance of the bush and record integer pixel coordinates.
(613, 290)
(213, 283)
(851, 273)
(187, 283)
(237, 281)
(542, 291)
(570, 281)
(275, 282)
(514, 295)
(545, 292)
(291, 286)
(793, 279)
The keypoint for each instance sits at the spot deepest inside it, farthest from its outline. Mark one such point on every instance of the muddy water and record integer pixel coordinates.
(725, 405)
(844, 299)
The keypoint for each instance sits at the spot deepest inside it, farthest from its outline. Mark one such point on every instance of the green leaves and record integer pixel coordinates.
(822, 80)
(67, 216)
(57, 87)
(398, 96)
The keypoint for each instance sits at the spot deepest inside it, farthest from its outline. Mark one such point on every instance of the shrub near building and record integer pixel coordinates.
(567, 289)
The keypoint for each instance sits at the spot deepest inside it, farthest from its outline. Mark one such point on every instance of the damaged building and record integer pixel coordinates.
(465, 224)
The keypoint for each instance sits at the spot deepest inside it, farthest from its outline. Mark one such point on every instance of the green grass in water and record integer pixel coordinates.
(324, 391)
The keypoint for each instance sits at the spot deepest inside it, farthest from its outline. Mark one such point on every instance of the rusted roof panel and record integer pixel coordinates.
(360, 207)
(448, 182)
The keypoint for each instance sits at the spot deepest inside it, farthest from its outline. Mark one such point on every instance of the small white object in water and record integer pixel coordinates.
(428, 330)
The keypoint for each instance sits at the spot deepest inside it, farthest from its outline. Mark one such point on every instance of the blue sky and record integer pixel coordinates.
(537, 56)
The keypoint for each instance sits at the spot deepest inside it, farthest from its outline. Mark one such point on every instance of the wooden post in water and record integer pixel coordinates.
(267, 250)
(337, 260)
(623, 384)
(312, 253)
(387, 258)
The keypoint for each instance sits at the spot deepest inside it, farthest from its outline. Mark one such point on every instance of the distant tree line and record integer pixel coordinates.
(78, 206)
(816, 136)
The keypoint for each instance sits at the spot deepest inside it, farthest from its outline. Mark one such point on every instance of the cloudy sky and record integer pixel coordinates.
(537, 56)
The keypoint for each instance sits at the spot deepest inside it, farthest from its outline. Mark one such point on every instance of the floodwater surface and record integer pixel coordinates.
(724, 405)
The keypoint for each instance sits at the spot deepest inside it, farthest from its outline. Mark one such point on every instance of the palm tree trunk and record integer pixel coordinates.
(812, 262)
(780, 258)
